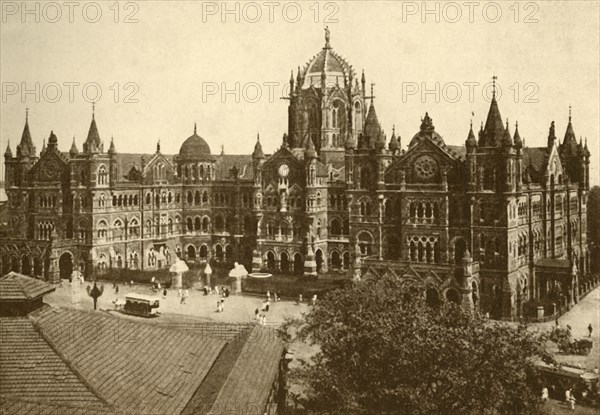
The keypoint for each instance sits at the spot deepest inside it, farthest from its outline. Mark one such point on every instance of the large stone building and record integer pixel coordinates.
(492, 224)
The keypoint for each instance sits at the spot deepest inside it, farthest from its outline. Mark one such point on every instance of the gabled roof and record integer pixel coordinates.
(18, 287)
(534, 162)
(224, 164)
(33, 371)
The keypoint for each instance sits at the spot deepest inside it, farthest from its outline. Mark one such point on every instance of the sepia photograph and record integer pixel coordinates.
(299, 207)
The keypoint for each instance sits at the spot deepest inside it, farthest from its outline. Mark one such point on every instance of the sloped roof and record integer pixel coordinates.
(494, 127)
(225, 162)
(251, 378)
(18, 287)
(138, 367)
(32, 371)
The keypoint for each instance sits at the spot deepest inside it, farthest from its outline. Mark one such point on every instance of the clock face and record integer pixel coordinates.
(426, 167)
(51, 170)
(284, 170)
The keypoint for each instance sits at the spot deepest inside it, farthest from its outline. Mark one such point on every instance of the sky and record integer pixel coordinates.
(162, 66)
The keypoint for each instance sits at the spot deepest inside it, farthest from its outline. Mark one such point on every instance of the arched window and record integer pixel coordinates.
(336, 227)
(190, 224)
(205, 224)
(197, 223)
(205, 197)
(358, 125)
(102, 175)
(148, 198)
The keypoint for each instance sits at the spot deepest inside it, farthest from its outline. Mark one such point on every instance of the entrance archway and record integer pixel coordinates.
(14, 264)
(285, 262)
(336, 261)
(270, 261)
(65, 265)
(298, 265)
(37, 267)
(319, 259)
(25, 265)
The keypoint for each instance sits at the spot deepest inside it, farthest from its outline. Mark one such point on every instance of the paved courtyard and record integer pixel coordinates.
(586, 312)
(237, 308)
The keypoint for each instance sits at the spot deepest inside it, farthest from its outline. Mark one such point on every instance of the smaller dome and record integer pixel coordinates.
(195, 148)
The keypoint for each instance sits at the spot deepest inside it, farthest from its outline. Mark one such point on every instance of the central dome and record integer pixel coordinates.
(335, 67)
(195, 148)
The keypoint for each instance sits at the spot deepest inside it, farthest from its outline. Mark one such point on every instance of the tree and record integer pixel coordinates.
(383, 350)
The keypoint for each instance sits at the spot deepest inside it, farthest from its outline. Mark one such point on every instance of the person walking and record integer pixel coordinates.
(186, 294)
(567, 395)
(572, 402)
(165, 293)
(590, 329)
(256, 313)
(544, 395)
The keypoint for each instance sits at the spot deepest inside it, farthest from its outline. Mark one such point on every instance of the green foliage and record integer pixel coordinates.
(384, 351)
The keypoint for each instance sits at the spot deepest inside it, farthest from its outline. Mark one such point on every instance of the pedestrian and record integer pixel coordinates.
(256, 313)
(572, 402)
(165, 293)
(568, 395)
(275, 297)
(217, 290)
(186, 294)
(299, 298)
(544, 395)
(264, 320)
(590, 329)
(267, 306)
(218, 306)
(116, 288)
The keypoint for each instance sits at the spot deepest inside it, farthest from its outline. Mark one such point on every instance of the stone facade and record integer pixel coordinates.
(475, 224)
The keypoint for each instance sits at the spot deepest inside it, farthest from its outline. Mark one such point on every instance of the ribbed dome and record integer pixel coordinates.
(335, 67)
(195, 147)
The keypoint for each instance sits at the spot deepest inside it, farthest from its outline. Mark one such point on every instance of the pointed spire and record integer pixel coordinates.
(73, 151)
(494, 127)
(258, 151)
(158, 146)
(8, 152)
(586, 150)
(517, 137)
(551, 135)
(394, 143)
(195, 129)
(494, 87)
(569, 144)
(93, 144)
(111, 149)
(506, 138)
(372, 127)
(222, 149)
(471, 142)
(43, 147)
(26, 145)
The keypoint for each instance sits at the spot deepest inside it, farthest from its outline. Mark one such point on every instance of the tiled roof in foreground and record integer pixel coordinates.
(71, 361)
(15, 287)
